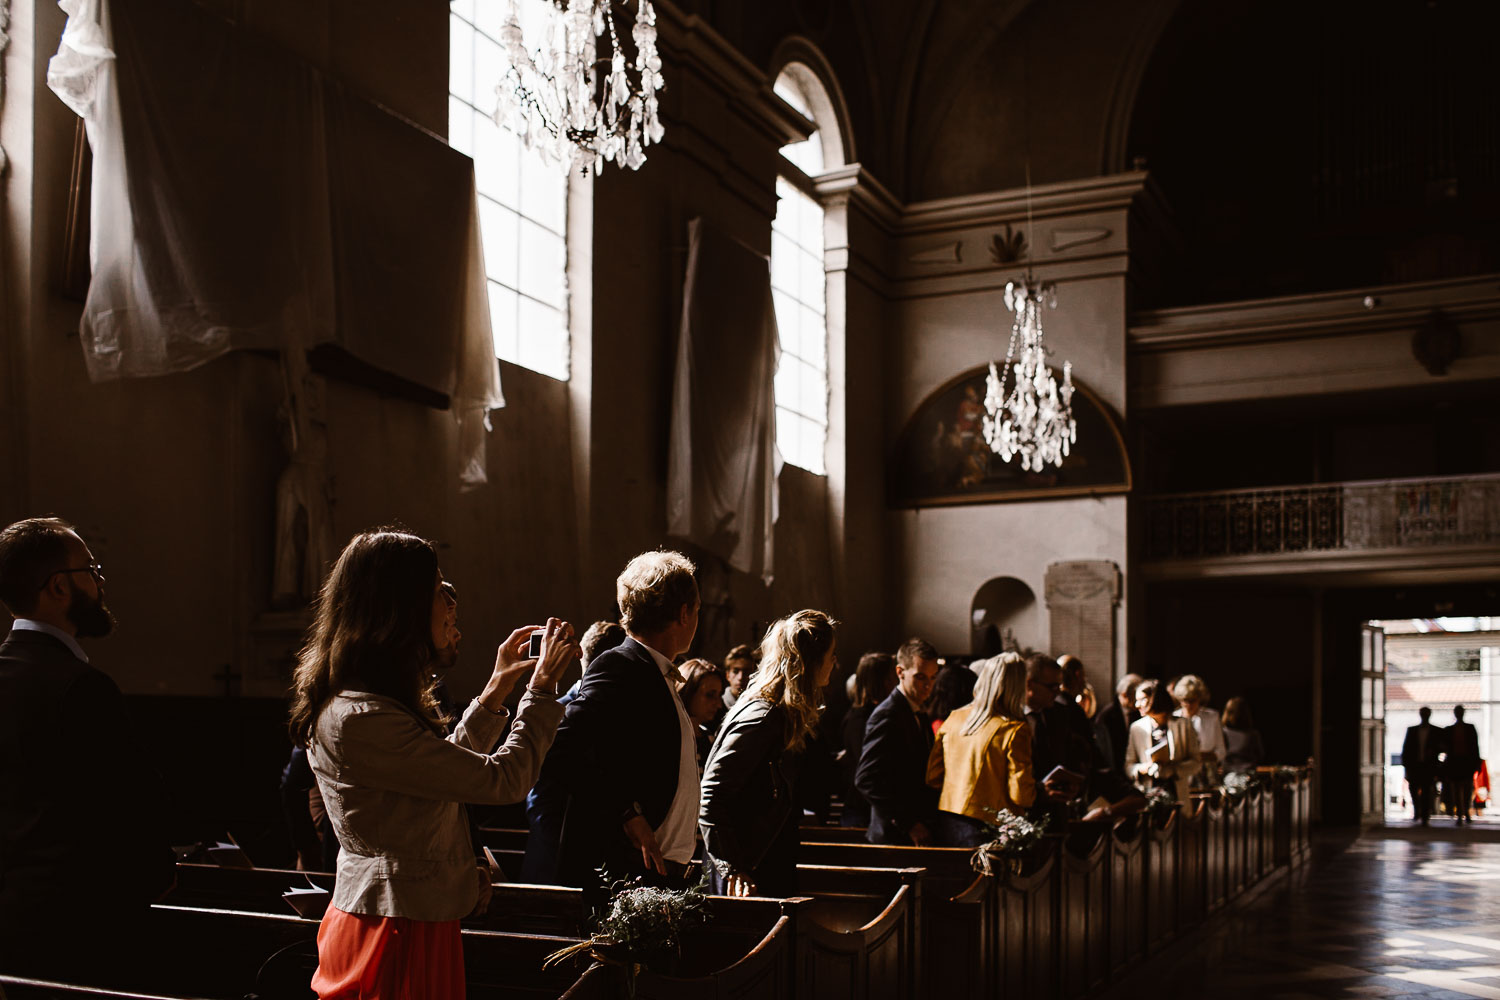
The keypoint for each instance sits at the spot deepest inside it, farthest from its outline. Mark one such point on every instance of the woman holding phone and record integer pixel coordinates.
(394, 786)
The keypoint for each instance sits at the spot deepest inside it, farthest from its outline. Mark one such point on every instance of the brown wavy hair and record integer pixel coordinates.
(372, 630)
(790, 655)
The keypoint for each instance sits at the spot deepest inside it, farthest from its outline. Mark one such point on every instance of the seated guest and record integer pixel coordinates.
(873, 680)
(625, 762)
(892, 772)
(1162, 750)
(394, 787)
(1113, 721)
(546, 800)
(702, 691)
(981, 759)
(953, 689)
(1191, 695)
(1243, 749)
(748, 811)
(69, 764)
(739, 667)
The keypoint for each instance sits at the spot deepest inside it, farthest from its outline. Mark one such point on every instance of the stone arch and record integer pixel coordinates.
(1002, 605)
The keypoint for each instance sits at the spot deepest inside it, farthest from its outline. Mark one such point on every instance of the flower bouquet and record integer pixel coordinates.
(1012, 837)
(1160, 804)
(642, 924)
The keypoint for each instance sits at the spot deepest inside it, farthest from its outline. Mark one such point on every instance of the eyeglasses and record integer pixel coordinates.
(94, 569)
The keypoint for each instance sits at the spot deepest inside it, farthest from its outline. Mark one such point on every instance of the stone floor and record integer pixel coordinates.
(1402, 912)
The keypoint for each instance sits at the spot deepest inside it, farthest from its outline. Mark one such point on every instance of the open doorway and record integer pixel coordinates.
(1440, 664)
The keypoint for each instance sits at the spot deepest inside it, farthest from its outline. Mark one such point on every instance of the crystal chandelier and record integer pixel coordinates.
(1035, 419)
(574, 99)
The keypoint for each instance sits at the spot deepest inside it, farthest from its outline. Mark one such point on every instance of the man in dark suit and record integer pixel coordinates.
(1112, 724)
(1055, 740)
(1419, 755)
(70, 782)
(1461, 742)
(624, 764)
(892, 772)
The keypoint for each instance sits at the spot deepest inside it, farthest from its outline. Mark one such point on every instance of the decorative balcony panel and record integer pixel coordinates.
(1344, 517)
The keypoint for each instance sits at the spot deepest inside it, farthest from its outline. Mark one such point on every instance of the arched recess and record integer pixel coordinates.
(802, 63)
(1004, 615)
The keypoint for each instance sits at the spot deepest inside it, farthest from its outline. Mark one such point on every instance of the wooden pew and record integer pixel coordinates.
(1127, 885)
(1083, 907)
(864, 935)
(23, 988)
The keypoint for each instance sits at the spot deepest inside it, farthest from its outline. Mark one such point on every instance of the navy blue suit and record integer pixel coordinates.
(892, 773)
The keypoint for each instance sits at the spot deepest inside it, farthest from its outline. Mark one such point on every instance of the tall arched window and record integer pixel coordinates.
(798, 282)
(523, 201)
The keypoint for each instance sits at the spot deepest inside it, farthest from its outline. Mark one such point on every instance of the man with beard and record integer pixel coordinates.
(70, 776)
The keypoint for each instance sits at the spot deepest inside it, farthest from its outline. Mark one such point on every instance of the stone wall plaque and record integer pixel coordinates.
(1081, 597)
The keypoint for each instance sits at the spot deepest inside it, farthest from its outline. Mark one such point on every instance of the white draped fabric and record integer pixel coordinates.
(242, 200)
(722, 466)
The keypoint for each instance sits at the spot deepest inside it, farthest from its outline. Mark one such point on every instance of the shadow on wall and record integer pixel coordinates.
(1004, 615)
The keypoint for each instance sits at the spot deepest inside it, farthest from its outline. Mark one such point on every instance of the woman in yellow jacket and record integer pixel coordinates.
(982, 756)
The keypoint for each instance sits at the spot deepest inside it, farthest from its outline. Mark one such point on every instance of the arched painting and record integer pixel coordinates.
(942, 458)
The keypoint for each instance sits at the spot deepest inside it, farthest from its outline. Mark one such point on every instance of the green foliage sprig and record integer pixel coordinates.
(640, 924)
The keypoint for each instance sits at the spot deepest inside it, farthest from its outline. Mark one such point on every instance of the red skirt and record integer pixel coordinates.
(364, 957)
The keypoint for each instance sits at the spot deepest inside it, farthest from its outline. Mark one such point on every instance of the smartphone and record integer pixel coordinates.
(534, 645)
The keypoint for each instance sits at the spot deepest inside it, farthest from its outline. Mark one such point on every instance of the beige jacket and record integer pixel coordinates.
(1182, 751)
(395, 792)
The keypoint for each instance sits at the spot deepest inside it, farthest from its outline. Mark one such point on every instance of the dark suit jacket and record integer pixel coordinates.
(1461, 743)
(892, 773)
(750, 804)
(1113, 722)
(73, 784)
(617, 747)
(1436, 744)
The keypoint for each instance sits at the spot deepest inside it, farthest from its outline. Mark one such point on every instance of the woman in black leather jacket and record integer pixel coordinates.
(748, 811)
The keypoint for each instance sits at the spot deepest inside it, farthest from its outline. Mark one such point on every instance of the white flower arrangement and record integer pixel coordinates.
(1013, 836)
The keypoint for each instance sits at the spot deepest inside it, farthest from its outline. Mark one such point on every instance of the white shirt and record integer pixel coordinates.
(1209, 730)
(677, 835)
(32, 625)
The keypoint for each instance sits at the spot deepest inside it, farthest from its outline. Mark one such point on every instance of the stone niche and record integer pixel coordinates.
(1081, 598)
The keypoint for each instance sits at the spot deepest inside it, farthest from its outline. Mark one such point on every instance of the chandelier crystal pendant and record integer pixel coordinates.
(576, 98)
(1035, 419)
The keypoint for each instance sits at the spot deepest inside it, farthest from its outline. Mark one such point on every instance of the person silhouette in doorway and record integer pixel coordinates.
(1419, 756)
(1461, 743)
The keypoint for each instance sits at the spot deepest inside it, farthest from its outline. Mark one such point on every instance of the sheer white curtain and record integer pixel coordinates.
(242, 200)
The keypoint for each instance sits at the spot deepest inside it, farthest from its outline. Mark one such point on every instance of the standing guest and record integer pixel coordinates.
(1191, 695)
(1113, 722)
(953, 689)
(546, 801)
(739, 667)
(874, 679)
(748, 812)
(1088, 701)
(394, 787)
(1162, 751)
(1060, 759)
(625, 762)
(702, 691)
(981, 759)
(1462, 744)
(67, 763)
(1419, 756)
(1243, 749)
(1068, 709)
(892, 772)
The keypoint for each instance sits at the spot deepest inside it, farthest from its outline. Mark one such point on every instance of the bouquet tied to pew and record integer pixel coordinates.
(1240, 783)
(1012, 838)
(642, 924)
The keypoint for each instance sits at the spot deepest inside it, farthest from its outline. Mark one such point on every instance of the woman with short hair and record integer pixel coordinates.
(748, 811)
(393, 784)
(1192, 699)
(981, 759)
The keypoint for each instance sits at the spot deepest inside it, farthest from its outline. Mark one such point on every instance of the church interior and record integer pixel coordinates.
(274, 275)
